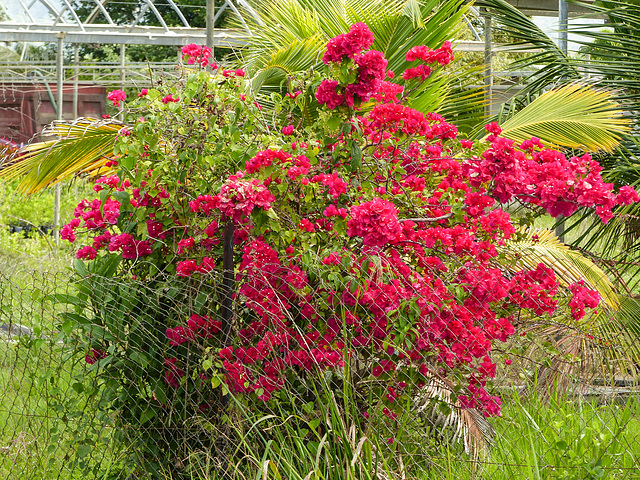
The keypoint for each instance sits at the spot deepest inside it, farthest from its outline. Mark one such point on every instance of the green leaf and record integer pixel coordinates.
(140, 358)
(80, 268)
(313, 424)
(148, 414)
(573, 116)
(334, 122)
(271, 213)
(84, 450)
(356, 157)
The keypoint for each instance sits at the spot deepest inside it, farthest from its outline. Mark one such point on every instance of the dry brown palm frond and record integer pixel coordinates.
(466, 425)
(579, 354)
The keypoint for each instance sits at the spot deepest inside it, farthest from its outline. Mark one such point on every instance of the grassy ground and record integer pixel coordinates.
(563, 439)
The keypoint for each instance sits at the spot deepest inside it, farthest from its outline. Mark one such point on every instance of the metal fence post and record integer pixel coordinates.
(59, 115)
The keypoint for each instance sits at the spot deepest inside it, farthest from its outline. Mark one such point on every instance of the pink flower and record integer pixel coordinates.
(349, 44)
(375, 221)
(116, 96)
(627, 195)
(288, 130)
(306, 225)
(186, 268)
(94, 355)
(169, 98)
(197, 54)
(67, 232)
(327, 94)
(86, 253)
(583, 297)
(239, 197)
(143, 92)
(185, 244)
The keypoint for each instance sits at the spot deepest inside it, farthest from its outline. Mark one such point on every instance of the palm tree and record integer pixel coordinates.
(609, 60)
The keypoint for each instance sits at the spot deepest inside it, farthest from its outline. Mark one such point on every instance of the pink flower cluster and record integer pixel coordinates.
(393, 117)
(129, 247)
(442, 55)
(203, 327)
(375, 221)
(545, 177)
(186, 268)
(349, 44)
(583, 297)
(535, 290)
(94, 356)
(239, 197)
(170, 99)
(116, 96)
(197, 54)
(370, 65)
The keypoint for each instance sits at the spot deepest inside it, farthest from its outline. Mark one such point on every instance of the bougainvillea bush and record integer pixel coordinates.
(363, 244)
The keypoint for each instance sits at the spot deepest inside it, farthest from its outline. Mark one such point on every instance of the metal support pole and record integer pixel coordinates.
(563, 37)
(76, 75)
(123, 72)
(211, 13)
(59, 115)
(228, 280)
(488, 67)
(228, 287)
(563, 26)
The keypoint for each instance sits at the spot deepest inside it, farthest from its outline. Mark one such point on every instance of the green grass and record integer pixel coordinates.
(562, 439)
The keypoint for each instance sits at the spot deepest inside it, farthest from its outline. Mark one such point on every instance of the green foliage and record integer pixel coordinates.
(574, 116)
(295, 34)
(37, 210)
(124, 13)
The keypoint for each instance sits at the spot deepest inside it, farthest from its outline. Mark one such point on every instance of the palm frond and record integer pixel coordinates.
(466, 425)
(603, 345)
(543, 246)
(573, 116)
(619, 330)
(296, 32)
(82, 147)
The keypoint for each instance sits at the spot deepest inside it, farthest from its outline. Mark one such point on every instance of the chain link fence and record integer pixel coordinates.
(113, 379)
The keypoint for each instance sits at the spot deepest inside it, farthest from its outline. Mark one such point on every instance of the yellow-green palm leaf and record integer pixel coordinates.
(573, 116)
(82, 147)
(570, 266)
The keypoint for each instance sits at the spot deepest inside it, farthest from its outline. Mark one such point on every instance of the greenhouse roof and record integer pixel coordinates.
(61, 20)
